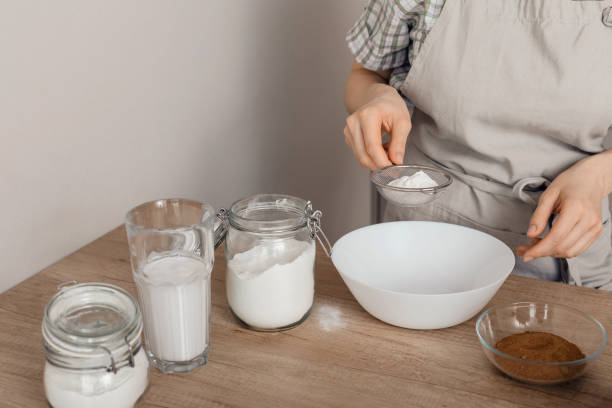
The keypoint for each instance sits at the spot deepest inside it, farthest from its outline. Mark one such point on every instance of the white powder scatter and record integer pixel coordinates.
(330, 318)
(418, 180)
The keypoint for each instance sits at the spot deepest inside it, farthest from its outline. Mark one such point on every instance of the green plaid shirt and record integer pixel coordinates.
(390, 33)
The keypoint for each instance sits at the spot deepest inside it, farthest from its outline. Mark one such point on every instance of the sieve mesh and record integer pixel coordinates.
(410, 197)
(384, 176)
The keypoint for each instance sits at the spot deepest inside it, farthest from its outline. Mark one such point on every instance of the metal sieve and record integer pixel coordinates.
(410, 197)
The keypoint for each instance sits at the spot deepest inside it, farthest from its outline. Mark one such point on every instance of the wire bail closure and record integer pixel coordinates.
(221, 226)
(131, 356)
(112, 366)
(313, 220)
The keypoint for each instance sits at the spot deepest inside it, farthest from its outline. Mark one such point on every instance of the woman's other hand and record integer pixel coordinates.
(377, 109)
(576, 196)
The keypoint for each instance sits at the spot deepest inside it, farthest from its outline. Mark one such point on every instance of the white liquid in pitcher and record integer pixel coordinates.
(174, 293)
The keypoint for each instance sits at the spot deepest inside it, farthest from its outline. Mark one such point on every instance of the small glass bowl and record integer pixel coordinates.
(573, 325)
(410, 197)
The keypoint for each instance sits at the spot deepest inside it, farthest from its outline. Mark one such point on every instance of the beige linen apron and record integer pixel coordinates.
(508, 94)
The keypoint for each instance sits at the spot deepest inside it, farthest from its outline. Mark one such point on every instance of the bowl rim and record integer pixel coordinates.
(448, 182)
(584, 360)
(459, 293)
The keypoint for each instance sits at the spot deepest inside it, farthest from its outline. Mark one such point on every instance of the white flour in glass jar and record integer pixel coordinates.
(66, 388)
(271, 285)
(174, 294)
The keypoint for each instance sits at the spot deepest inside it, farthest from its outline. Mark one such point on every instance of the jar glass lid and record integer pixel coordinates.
(268, 213)
(92, 319)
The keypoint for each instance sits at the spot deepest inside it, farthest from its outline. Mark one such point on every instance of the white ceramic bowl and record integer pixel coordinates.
(422, 275)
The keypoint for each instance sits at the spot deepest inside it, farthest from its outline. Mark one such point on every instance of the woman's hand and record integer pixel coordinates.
(576, 196)
(384, 112)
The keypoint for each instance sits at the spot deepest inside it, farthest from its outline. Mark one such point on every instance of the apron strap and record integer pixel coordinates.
(527, 189)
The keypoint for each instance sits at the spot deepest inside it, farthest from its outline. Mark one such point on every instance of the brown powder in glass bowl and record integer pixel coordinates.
(540, 347)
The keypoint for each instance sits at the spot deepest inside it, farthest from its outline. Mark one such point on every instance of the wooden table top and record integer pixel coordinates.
(339, 357)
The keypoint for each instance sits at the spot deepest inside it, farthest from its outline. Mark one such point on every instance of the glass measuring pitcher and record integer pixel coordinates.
(172, 245)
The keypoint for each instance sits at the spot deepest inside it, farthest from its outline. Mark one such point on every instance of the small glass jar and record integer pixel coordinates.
(94, 356)
(270, 252)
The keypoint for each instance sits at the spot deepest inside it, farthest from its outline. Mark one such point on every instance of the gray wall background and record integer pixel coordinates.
(106, 104)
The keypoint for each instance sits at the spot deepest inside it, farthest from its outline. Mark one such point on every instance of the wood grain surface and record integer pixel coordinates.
(339, 357)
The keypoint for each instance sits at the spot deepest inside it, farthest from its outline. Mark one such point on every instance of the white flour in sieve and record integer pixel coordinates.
(67, 388)
(174, 295)
(272, 285)
(420, 179)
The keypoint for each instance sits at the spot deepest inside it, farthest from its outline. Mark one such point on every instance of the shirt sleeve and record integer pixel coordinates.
(380, 40)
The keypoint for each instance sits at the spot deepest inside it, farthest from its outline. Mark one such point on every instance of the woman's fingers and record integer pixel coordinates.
(584, 242)
(357, 143)
(567, 220)
(363, 133)
(539, 219)
(521, 249)
(348, 137)
(399, 135)
(564, 248)
(538, 222)
(564, 240)
(371, 125)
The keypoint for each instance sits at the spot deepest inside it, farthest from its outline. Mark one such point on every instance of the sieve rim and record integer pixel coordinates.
(439, 187)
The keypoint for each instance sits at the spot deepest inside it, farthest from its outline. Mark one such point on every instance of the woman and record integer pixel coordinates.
(514, 98)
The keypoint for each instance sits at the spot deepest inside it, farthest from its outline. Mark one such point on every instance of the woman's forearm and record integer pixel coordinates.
(363, 85)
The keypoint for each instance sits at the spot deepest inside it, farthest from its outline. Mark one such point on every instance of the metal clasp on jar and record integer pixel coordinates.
(113, 366)
(313, 221)
(221, 225)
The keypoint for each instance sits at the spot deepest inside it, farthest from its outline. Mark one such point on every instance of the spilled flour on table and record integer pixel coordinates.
(330, 318)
